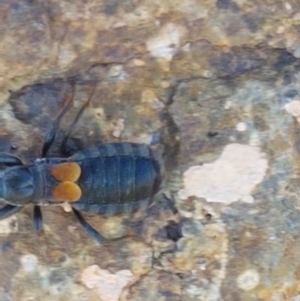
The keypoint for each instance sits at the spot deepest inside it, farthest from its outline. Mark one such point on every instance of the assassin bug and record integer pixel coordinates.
(109, 178)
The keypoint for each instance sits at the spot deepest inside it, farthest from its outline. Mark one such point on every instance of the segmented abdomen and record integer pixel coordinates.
(116, 178)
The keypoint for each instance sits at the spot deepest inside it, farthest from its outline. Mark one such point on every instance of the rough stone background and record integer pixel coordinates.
(217, 84)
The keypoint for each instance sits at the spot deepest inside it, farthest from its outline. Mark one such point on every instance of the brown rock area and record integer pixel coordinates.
(214, 87)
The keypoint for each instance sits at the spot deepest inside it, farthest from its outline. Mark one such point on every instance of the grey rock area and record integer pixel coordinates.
(214, 87)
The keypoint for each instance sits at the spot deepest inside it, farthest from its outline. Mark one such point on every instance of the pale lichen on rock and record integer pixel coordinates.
(248, 280)
(215, 82)
(232, 177)
(293, 108)
(108, 285)
(9, 225)
(165, 42)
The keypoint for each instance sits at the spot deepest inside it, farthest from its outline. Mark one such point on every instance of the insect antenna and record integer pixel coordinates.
(72, 126)
(50, 135)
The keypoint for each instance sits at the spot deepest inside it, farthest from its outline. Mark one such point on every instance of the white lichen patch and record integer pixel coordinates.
(113, 227)
(118, 128)
(108, 286)
(248, 280)
(293, 108)
(8, 225)
(248, 199)
(29, 263)
(139, 63)
(241, 127)
(117, 72)
(230, 178)
(228, 105)
(165, 42)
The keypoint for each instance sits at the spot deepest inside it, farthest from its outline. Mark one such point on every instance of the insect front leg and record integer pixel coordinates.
(9, 210)
(87, 227)
(9, 160)
(37, 219)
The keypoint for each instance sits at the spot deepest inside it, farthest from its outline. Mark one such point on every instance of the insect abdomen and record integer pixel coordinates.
(113, 184)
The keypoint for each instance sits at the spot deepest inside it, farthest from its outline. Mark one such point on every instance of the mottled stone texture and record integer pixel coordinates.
(216, 83)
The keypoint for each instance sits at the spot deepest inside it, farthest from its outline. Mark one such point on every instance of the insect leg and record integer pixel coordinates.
(50, 135)
(72, 126)
(37, 219)
(9, 210)
(9, 160)
(87, 227)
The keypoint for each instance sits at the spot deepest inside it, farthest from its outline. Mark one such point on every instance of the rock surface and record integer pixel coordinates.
(215, 83)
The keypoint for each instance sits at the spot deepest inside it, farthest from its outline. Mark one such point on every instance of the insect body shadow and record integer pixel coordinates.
(109, 178)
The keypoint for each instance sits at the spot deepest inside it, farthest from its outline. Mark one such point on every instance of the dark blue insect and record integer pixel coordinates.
(110, 178)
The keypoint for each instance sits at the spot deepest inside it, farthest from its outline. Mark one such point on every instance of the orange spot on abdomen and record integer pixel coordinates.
(68, 171)
(67, 191)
